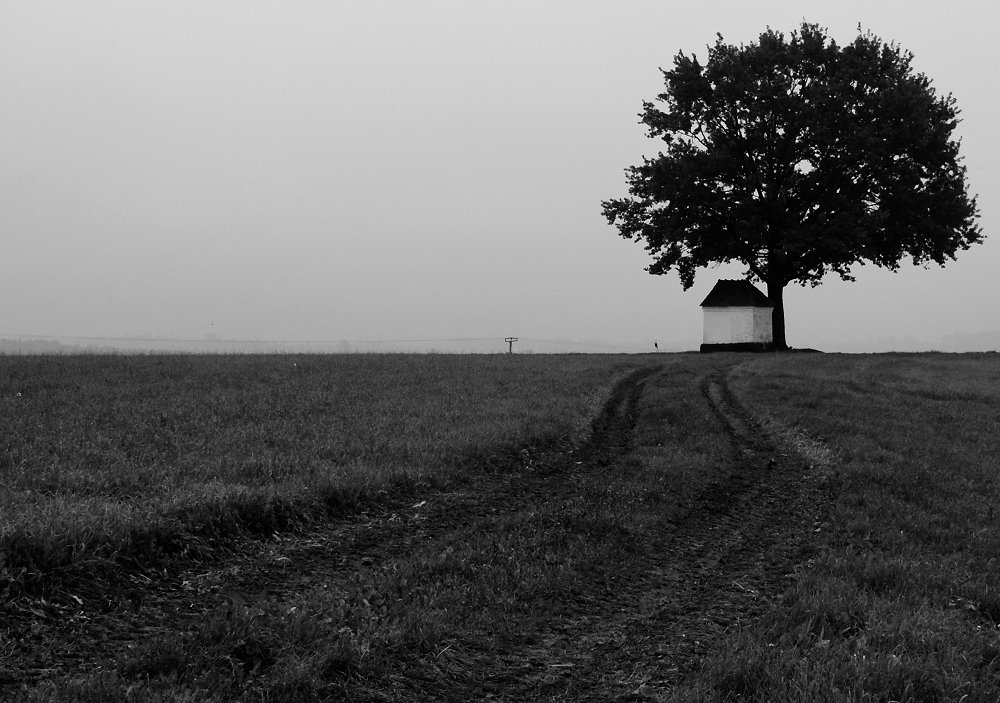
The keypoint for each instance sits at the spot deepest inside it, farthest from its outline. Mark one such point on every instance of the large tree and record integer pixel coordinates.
(798, 157)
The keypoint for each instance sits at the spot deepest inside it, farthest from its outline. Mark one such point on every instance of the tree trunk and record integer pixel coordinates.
(775, 293)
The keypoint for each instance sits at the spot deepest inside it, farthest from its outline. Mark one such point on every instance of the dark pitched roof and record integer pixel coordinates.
(735, 294)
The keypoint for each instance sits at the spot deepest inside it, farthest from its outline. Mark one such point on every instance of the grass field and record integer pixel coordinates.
(561, 572)
(903, 601)
(106, 460)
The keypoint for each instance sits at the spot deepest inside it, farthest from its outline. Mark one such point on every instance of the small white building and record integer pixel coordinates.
(737, 318)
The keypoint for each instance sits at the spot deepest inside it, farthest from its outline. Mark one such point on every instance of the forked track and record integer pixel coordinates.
(718, 569)
(707, 573)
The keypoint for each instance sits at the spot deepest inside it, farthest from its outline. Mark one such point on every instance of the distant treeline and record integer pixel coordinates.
(35, 346)
(142, 345)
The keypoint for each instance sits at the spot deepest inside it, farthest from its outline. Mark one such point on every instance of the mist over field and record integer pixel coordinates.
(408, 176)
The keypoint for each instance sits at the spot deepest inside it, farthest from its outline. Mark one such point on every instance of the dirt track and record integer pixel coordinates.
(632, 638)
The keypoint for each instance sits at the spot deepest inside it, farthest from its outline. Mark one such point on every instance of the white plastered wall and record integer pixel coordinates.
(762, 330)
(737, 325)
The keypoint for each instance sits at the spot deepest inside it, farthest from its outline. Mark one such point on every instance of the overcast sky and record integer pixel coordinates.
(408, 169)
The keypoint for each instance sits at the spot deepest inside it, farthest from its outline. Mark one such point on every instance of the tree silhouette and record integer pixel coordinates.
(798, 157)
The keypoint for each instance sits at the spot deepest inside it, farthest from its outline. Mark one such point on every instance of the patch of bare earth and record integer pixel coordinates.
(630, 633)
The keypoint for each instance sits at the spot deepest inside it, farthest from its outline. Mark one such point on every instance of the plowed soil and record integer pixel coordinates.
(630, 637)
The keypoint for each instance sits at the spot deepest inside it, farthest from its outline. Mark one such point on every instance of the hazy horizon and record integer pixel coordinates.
(28, 344)
(326, 171)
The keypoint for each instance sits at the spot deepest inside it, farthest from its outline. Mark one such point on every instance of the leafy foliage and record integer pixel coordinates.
(798, 158)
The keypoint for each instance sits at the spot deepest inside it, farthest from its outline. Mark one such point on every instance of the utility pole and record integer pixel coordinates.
(510, 344)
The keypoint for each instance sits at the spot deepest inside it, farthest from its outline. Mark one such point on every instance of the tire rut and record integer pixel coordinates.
(633, 638)
(52, 638)
(718, 569)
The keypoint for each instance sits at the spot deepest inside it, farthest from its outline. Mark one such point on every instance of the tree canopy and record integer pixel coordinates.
(798, 158)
